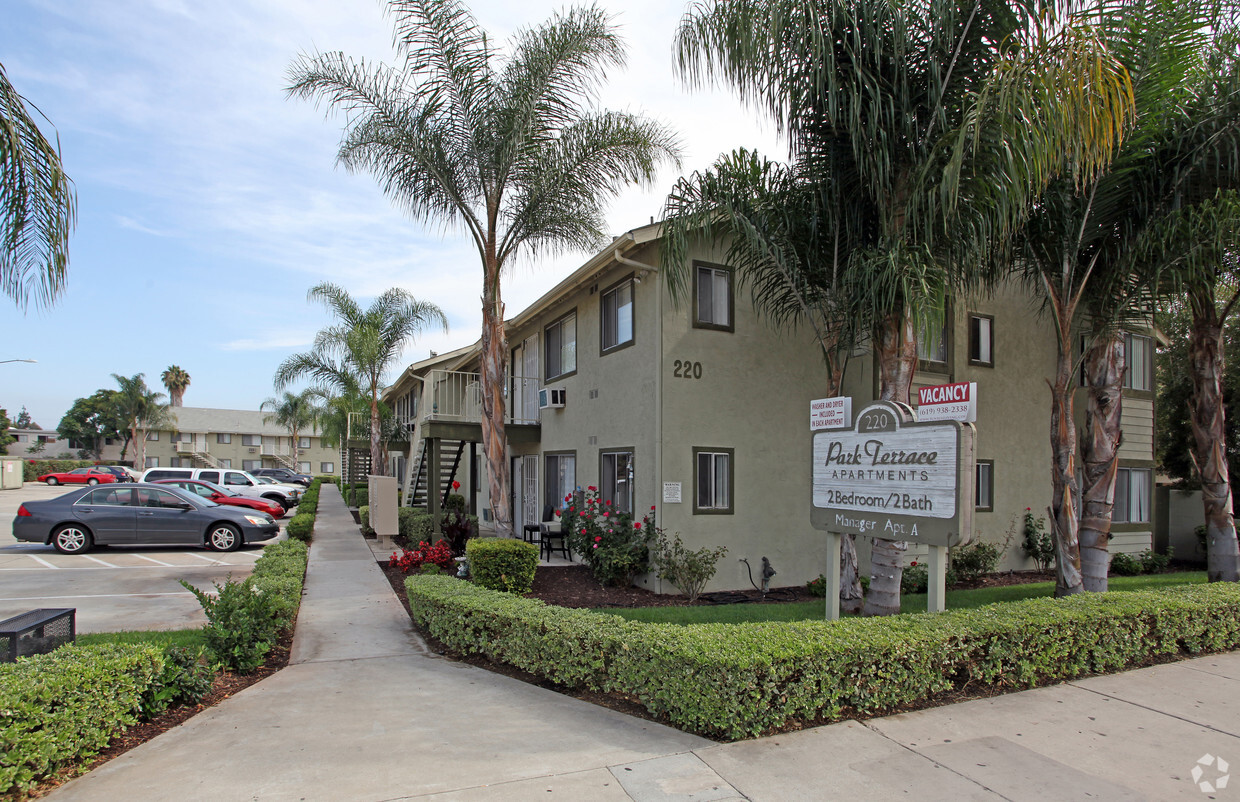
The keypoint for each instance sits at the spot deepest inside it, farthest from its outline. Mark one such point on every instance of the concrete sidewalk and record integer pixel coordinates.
(365, 712)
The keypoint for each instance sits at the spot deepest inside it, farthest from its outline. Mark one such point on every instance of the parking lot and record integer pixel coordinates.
(115, 588)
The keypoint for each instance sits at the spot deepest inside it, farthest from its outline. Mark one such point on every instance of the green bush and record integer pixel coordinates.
(67, 705)
(915, 579)
(414, 525)
(357, 496)
(1124, 565)
(1152, 562)
(817, 587)
(687, 570)
(363, 513)
(241, 624)
(32, 469)
(324, 479)
(187, 676)
(1038, 544)
(739, 681)
(971, 561)
(301, 527)
(502, 564)
(615, 546)
(279, 575)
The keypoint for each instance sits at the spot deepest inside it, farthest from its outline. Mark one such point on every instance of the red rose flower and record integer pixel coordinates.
(637, 526)
(456, 485)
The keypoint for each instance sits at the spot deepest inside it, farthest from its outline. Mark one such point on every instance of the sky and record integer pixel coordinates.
(209, 203)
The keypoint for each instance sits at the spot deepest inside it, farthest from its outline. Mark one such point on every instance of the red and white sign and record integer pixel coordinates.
(830, 413)
(948, 402)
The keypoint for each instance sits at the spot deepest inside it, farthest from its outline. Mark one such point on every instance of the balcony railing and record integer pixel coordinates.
(454, 396)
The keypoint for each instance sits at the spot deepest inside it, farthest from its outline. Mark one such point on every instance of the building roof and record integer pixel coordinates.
(233, 421)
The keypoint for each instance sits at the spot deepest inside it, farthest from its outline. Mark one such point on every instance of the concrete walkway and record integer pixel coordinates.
(365, 712)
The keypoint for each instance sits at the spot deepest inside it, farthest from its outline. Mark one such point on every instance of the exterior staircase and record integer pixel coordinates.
(426, 478)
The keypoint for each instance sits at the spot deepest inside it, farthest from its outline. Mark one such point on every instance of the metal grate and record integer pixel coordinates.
(36, 632)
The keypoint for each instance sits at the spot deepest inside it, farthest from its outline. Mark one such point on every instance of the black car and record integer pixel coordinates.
(120, 473)
(138, 515)
(283, 475)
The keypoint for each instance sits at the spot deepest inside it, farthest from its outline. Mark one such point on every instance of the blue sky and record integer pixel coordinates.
(209, 204)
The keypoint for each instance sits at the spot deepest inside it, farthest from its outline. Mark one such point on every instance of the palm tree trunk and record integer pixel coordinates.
(1063, 520)
(1104, 371)
(376, 450)
(494, 439)
(1207, 414)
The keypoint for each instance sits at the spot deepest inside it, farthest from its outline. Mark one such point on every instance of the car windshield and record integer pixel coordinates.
(188, 495)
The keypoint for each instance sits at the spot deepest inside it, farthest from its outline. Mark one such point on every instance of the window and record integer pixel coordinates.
(152, 435)
(251, 440)
(616, 485)
(561, 347)
(561, 478)
(225, 463)
(223, 438)
(152, 462)
(713, 293)
(251, 464)
(712, 480)
(25, 438)
(107, 496)
(236, 478)
(327, 467)
(303, 442)
(1132, 496)
(303, 467)
(175, 462)
(984, 485)
(981, 340)
(1138, 354)
(209, 476)
(617, 327)
(932, 341)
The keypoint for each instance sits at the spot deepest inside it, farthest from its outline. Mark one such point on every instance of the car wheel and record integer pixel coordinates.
(275, 499)
(92, 481)
(71, 539)
(52, 480)
(224, 537)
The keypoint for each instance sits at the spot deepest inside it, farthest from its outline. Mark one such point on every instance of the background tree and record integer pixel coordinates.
(509, 147)
(353, 356)
(90, 421)
(37, 205)
(177, 381)
(930, 125)
(295, 412)
(140, 409)
(23, 421)
(6, 439)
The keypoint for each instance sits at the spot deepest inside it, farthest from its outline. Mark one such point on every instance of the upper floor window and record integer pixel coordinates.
(251, 440)
(712, 290)
(981, 340)
(617, 324)
(303, 442)
(1138, 356)
(223, 438)
(932, 340)
(152, 435)
(560, 356)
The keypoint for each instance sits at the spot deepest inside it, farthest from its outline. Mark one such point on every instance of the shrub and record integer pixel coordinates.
(324, 479)
(363, 513)
(301, 527)
(241, 624)
(502, 564)
(971, 561)
(743, 680)
(358, 497)
(817, 587)
(186, 677)
(1153, 563)
(34, 468)
(1038, 544)
(614, 545)
(687, 570)
(414, 525)
(455, 501)
(915, 579)
(67, 705)
(1124, 565)
(438, 555)
(457, 529)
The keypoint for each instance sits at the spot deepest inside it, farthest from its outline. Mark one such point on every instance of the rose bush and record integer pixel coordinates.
(610, 542)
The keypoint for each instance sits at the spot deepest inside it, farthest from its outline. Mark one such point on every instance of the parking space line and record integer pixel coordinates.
(208, 559)
(43, 562)
(101, 562)
(96, 596)
(152, 559)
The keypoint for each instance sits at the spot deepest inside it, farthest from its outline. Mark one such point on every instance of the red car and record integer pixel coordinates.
(79, 476)
(222, 495)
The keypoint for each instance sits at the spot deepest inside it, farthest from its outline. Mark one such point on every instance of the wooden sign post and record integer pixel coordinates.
(893, 478)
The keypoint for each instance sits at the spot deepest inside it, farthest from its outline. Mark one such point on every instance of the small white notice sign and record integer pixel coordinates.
(830, 413)
(671, 492)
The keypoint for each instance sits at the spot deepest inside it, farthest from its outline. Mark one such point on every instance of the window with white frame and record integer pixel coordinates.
(617, 327)
(616, 482)
(560, 340)
(561, 478)
(225, 463)
(1139, 358)
(712, 480)
(251, 440)
(982, 340)
(152, 462)
(984, 485)
(152, 435)
(327, 467)
(303, 467)
(223, 438)
(712, 292)
(175, 462)
(1132, 496)
(303, 442)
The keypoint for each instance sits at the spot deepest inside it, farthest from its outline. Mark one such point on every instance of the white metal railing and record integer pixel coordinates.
(273, 450)
(455, 396)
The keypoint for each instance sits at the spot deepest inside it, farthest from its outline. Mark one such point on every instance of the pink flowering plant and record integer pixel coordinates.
(609, 541)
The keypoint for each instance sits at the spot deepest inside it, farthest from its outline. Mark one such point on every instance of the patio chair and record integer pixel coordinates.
(549, 532)
(530, 530)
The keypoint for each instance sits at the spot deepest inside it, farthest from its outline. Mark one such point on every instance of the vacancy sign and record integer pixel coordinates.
(830, 413)
(948, 402)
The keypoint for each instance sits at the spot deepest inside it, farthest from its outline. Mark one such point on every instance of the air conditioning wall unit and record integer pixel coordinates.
(552, 398)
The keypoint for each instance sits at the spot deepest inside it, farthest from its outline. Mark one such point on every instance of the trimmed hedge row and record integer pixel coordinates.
(32, 469)
(501, 563)
(416, 525)
(301, 525)
(67, 705)
(739, 681)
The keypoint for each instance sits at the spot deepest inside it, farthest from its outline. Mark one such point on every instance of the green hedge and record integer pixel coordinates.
(301, 527)
(739, 681)
(32, 469)
(67, 705)
(279, 574)
(502, 563)
(416, 525)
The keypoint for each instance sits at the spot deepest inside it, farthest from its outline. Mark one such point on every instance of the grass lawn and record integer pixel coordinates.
(190, 638)
(816, 610)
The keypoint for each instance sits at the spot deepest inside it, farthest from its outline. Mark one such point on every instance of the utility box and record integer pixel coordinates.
(382, 497)
(10, 473)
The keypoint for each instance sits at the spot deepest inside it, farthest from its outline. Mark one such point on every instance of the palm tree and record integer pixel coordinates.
(37, 205)
(140, 409)
(295, 412)
(176, 380)
(509, 148)
(928, 127)
(353, 356)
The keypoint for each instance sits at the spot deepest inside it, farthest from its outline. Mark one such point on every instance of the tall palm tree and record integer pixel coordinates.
(353, 355)
(295, 412)
(37, 205)
(929, 126)
(508, 147)
(140, 410)
(176, 380)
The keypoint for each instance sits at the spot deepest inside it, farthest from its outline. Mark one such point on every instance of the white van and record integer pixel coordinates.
(233, 479)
